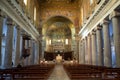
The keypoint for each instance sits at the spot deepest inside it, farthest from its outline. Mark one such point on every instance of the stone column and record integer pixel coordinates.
(86, 51)
(94, 55)
(77, 46)
(9, 45)
(107, 47)
(83, 52)
(1, 28)
(32, 52)
(36, 58)
(38, 54)
(21, 48)
(40, 50)
(26, 61)
(80, 50)
(89, 50)
(99, 46)
(35, 53)
(29, 58)
(17, 56)
(115, 16)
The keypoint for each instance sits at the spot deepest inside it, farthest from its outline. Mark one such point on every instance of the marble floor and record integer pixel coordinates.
(59, 73)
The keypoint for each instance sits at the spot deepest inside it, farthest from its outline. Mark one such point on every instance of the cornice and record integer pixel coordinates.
(15, 12)
(102, 10)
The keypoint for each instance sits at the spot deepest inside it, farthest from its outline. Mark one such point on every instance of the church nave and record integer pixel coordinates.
(59, 73)
(60, 39)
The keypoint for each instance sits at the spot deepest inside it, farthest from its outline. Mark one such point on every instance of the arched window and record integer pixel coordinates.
(25, 2)
(66, 41)
(82, 15)
(50, 42)
(34, 13)
(91, 2)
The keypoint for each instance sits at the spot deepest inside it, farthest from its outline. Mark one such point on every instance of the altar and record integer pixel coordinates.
(58, 58)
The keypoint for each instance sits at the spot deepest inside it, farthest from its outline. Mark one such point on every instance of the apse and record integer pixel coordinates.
(57, 33)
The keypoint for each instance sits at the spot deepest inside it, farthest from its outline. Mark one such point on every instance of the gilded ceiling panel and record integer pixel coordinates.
(65, 8)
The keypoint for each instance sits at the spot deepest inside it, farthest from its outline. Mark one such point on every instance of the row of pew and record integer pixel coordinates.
(90, 72)
(33, 72)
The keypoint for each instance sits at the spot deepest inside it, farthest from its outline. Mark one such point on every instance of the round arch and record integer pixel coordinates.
(56, 16)
(53, 19)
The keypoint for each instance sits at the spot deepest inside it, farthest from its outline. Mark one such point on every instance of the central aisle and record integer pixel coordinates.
(59, 73)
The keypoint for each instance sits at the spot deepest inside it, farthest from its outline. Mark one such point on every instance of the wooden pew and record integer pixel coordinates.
(91, 72)
(82, 72)
(34, 72)
(111, 73)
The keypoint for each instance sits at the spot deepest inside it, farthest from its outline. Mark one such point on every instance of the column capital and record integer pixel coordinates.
(89, 35)
(83, 40)
(2, 14)
(85, 37)
(22, 32)
(17, 27)
(99, 27)
(104, 22)
(114, 14)
(80, 40)
(93, 32)
(10, 22)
